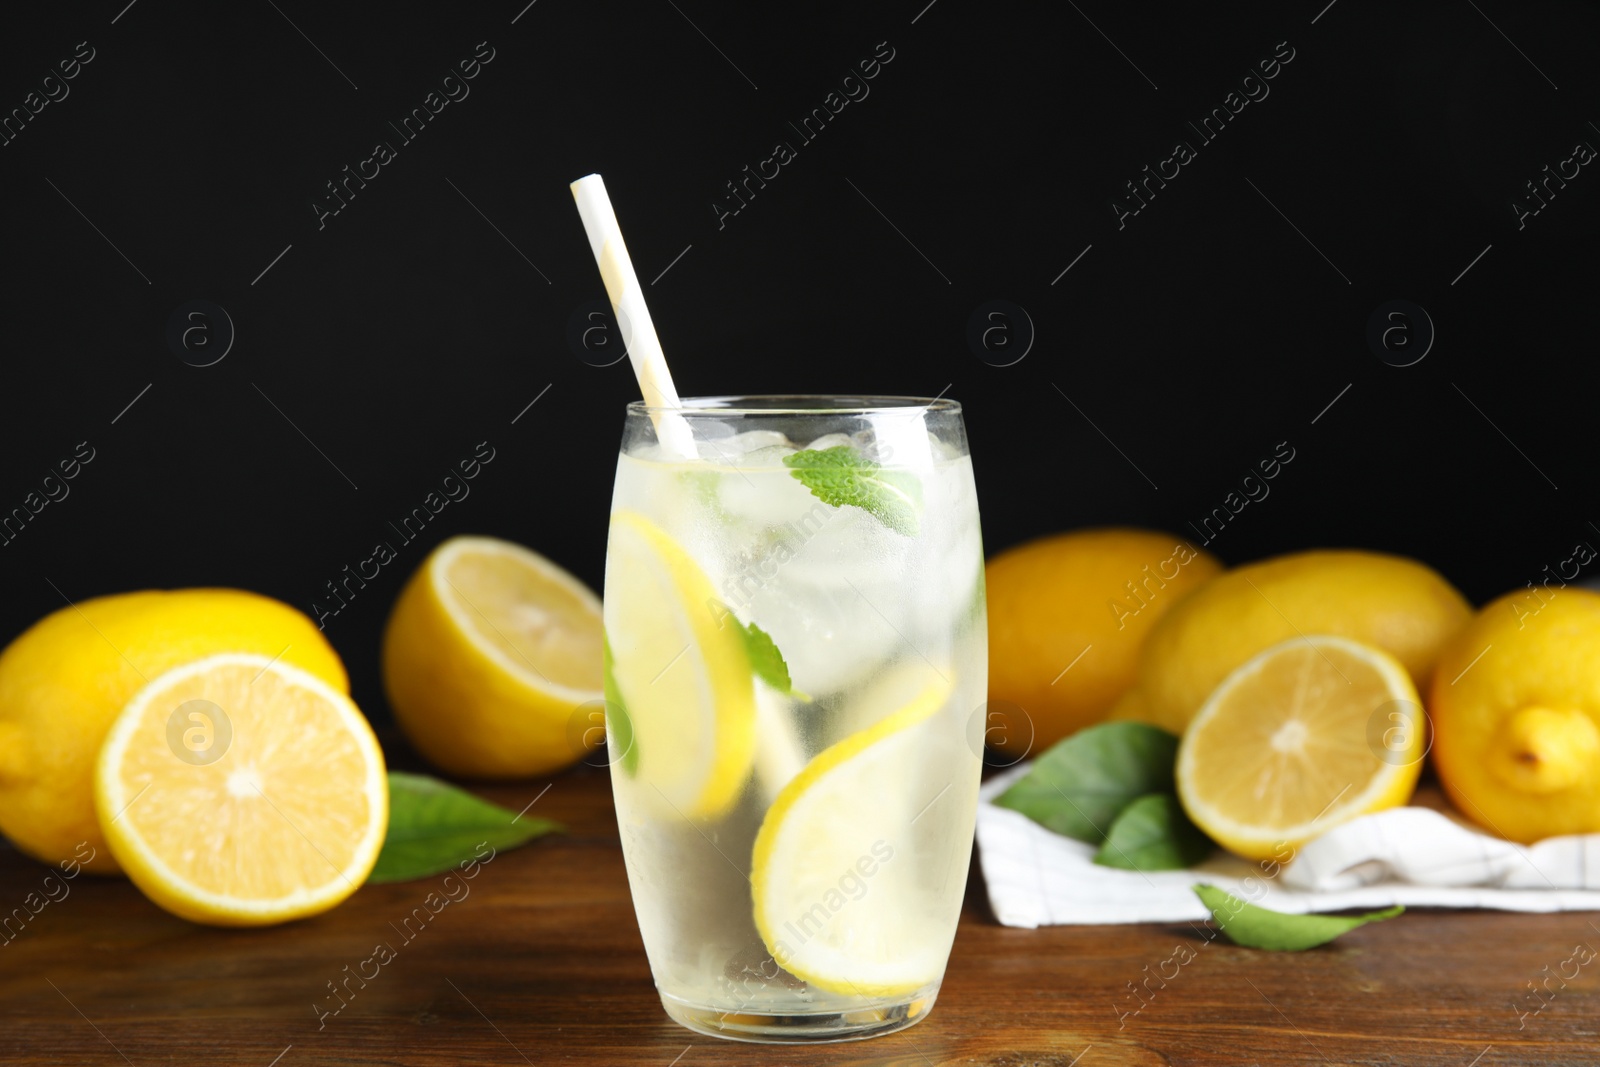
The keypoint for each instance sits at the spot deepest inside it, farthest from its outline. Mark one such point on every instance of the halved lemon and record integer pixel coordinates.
(240, 791)
(488, 651)
(1306, 735)
(847, 821)
(681, 670)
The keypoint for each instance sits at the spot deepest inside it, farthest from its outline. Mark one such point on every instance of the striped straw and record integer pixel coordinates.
(627, 300)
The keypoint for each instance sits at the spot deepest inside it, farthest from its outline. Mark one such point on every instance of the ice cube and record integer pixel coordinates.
(830, 639)
(830, 440)
(944, 451)
(759, 495)
(735, 447)
(831, 587)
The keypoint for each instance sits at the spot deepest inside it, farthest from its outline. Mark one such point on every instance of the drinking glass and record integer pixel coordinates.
(796, 660)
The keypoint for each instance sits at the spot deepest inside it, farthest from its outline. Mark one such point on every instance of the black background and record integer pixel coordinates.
(424, 317)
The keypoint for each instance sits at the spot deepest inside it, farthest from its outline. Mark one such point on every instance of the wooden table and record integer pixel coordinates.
(542, 964)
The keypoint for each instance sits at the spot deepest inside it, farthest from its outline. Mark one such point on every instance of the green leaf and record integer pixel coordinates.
(433, 826)
(842, 476)
(765, 659)
(1081, 784)
(1256, 927)
(619, 727)
(1153, 834)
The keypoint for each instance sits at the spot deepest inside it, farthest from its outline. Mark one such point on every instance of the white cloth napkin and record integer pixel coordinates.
(1411, 856)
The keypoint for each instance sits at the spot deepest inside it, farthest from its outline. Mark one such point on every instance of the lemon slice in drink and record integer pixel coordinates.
(680, 667)
(1308, 734)
(239, 791)
(834, 879)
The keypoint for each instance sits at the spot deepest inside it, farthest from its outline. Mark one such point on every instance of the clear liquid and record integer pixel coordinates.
(864, 617)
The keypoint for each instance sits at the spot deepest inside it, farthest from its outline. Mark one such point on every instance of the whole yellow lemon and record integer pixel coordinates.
(1516, 715)
(1394, 603)
(1067, 617)
(66, 677)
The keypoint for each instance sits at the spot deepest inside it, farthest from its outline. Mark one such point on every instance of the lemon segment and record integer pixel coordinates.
(1282, 751)
(487, 653)
(848, 817)
(284, 821)
(680, 666)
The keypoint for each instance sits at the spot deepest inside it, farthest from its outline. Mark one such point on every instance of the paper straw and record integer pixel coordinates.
(779, 753)
(633, 316)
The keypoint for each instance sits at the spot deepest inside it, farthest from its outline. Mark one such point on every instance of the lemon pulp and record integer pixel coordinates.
(268, 802)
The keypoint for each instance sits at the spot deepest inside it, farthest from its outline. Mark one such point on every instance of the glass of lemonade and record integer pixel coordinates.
(796, 660)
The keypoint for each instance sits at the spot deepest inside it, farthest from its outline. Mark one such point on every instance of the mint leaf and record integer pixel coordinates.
(1080, 786)
(619, 727)
(765, 659)
(1153, 834)
(842, 476)
(1257, 927)
(433, 826)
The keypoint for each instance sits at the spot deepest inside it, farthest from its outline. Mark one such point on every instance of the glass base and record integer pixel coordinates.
(854, 1024)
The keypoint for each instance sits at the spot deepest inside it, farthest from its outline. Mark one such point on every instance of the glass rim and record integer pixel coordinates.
(797, 404)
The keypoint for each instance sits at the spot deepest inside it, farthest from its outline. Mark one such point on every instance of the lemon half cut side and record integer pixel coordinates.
(489, 651)
(240, 791)
(1284, 749)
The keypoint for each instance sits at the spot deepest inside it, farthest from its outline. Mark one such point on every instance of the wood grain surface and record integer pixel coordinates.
(542, 964)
